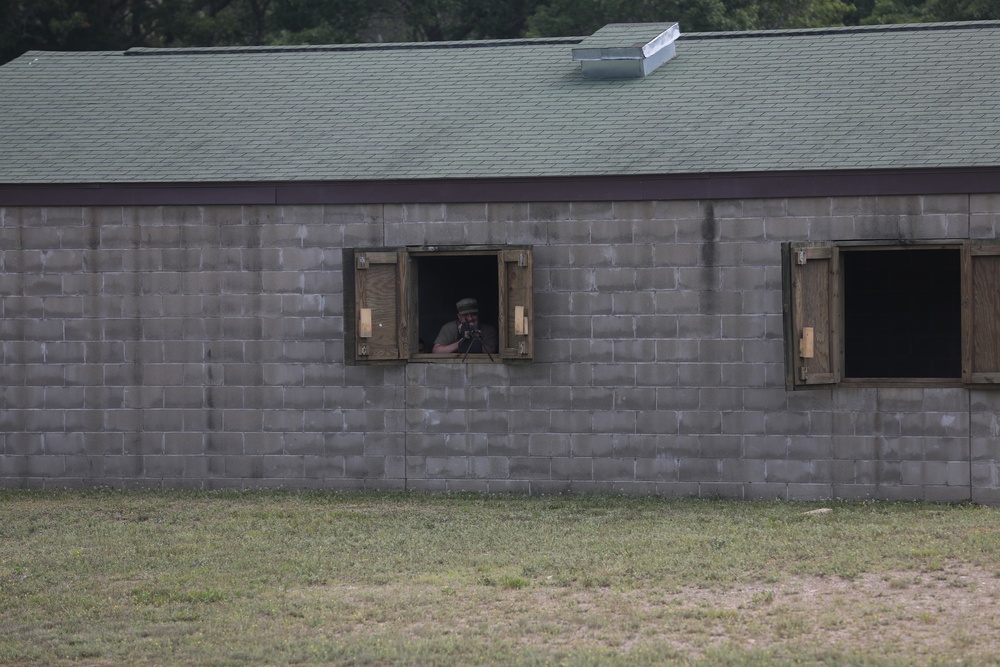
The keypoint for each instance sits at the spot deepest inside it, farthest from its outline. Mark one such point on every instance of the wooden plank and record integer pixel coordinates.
(516, 320)
(814, 288)
(378, 292)
(981, 314)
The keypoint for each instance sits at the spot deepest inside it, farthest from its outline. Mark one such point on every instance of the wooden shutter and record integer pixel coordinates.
(812, 297)
(517, 322)
(380, 306)
(981, 313)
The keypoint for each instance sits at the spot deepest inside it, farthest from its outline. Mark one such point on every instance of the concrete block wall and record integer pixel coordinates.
(203, 347)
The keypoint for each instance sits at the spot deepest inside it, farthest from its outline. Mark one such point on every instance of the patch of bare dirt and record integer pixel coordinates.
(950, 614)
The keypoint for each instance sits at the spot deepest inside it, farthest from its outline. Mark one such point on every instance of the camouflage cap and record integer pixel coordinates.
(467, 306)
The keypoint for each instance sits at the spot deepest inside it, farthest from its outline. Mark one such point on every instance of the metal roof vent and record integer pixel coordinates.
(627, 50)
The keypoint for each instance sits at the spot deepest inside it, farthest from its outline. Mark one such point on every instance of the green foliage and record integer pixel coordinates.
(922, 11)
(583, 17)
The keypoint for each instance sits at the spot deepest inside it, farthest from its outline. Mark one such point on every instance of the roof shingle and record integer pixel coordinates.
(850, 98)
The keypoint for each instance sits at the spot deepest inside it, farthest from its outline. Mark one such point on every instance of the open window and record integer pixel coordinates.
(397, 300)
(925, 314)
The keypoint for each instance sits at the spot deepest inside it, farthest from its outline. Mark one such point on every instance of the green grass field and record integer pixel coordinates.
(276, 578)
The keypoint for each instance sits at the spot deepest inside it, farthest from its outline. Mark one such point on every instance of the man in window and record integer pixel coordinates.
(466, 335)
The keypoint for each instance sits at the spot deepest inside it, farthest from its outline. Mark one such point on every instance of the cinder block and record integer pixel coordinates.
(726, 490)
(535, 421)
(659, 468)
(613, 469)
(676, 302)
(765, 447)
(178, 444)
(506, 444)
(631, 398)
(374, 467)
(549, 444)
(740, 327)
(13, 467)
(57, 443)
(488, 421)
(743, 423)
(809, 491)
(547, 398)
(699, 375)
(424, 445)
(746, 471)
(570, 421)
(699, 422)
(677, 489)
(572, 468)
(947, 494)
(750, 375)
(788, 472)
(655, 375)
(764, 491)
(82, 469)
(634, 446)
(530, 468)
(786, 229)
(83, 420)
(42, 465)
(720, 446)
(916, 472)
(958, 473)
(638, 350)
(304, 444)
(632, 303)
(946, 448)
(678, 446)
(25, 444)
(743, 229)
(984, 226)
(985, 496)
(581, 351)
(163, 466)
(488, 467)
(591, 446)
(610, 421)
(699, 470)
(614, 279)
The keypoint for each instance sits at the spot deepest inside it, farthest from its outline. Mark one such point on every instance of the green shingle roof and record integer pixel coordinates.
(850, 98)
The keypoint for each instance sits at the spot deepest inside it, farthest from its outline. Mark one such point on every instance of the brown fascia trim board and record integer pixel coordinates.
(591, 188)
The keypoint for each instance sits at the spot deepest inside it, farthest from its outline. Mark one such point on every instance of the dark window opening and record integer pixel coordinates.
(443, 280)
(902, 313)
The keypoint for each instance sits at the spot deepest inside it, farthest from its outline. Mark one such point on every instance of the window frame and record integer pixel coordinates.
(813, 291)
(384, 282)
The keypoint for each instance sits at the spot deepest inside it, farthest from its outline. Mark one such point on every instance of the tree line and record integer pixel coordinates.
(88, 25)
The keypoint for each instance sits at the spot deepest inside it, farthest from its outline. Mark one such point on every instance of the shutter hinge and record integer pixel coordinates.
(522, 259)
(522, 348)
(804, 373)
(364, 349)
(800, 256)
(362, 261)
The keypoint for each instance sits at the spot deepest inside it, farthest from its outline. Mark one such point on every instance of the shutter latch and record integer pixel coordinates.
(807, 348)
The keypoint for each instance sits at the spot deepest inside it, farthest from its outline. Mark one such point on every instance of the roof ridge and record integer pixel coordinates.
(841, 30)
(542, 41)
(321, 48)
